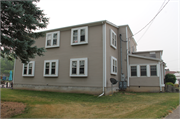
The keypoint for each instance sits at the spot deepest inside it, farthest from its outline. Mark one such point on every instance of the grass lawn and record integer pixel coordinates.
(42, 104)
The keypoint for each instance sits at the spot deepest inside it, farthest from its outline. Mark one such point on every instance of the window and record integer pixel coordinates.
(143, 71)
(51, 68)
(152, 54)
(113, 65)
(133, 70)
(79, 35)
(153, 69)
(28, 69)
(113, 39)
(79, 67)
(52, 39)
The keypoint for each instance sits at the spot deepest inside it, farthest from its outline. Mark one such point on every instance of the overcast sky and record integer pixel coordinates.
(162, 34)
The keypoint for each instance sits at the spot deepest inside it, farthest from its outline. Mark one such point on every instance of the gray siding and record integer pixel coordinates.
(93, 51)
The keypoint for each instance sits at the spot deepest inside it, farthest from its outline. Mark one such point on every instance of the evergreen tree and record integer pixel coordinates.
(19, 20)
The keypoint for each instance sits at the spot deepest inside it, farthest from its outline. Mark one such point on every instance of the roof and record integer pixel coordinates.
(143, 57)
(148, 51)
(92, 23)
(171, 72)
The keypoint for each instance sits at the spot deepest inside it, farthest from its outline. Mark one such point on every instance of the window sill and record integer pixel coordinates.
(52, 46)
(50, 76)
(28, 75)
(113, 73)
(113, 46)
(79, 43)
(78, 76)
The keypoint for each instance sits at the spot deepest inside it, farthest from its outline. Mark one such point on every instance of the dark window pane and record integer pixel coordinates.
(53, 71)
(153, 70)
(133, 71)
(143, 70)
(81, 70)
(47, 65)
(47, 71)
(25, 71)
(54, 41)
(73, 70)
(82, 38)
(82, 35)
(30, 71)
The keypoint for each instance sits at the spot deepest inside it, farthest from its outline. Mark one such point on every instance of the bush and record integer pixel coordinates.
(170, 78)
(176, 85)
(170, 83)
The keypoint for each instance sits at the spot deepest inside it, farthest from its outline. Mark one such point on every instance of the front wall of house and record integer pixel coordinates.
(93, 51)
(142, 80)
(110, 51)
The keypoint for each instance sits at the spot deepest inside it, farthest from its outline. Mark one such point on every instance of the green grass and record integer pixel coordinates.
(41, 104)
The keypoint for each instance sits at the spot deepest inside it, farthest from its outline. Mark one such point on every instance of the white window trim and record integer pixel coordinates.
(85, 67)
(148, 70)
(27, 73)
(86, 35)
(50, 63)
(113, 58)
(58, 39)
(111, 31)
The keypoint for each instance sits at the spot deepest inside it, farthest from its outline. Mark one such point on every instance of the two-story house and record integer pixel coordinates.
(82, 59)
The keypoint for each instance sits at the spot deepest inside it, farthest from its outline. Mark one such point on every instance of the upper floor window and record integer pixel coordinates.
(79, 35)
(133, 70)
(28, 69)
(152, 54)
(79, 67)
(113, 39)
(113, 65)
(143, 71)
(51, 68)
(52, 39)
(153, 69)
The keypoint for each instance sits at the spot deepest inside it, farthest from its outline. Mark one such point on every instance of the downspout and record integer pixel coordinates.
(127, 57)
(104, 57)
(122, 79)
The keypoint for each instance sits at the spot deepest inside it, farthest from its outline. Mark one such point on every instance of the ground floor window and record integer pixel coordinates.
(28, 69)
(51, 68)
(79, 67)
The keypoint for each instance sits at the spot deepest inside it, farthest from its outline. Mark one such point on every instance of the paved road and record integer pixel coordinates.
(175, 114)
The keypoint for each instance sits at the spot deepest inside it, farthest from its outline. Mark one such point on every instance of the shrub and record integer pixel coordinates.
(170, 83)
(176, 85)
(170, 78)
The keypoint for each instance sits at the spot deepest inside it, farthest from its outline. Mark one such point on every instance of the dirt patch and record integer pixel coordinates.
(9, 109)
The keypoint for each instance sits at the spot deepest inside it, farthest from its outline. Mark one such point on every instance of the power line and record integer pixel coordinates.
(150, 21)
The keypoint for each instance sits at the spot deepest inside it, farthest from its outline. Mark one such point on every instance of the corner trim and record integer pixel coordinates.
(104, 55)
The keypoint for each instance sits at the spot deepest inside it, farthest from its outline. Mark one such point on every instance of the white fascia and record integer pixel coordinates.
(14, 70)
(58, 39)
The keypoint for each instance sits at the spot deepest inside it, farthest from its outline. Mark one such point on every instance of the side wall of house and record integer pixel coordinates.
(110, 51)
(93, 83)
